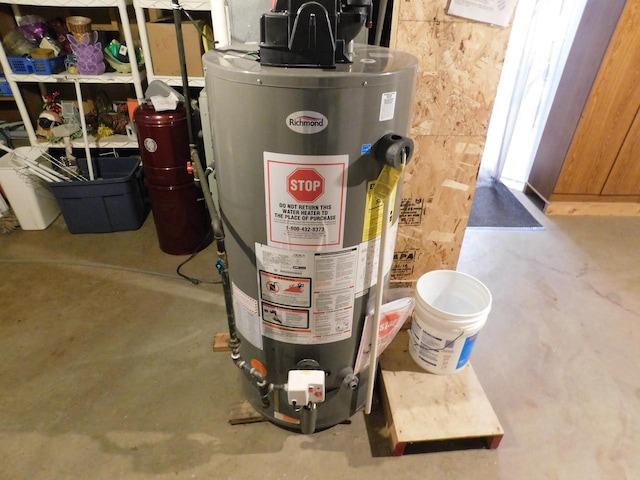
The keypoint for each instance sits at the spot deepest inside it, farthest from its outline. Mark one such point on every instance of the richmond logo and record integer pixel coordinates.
(307, 122)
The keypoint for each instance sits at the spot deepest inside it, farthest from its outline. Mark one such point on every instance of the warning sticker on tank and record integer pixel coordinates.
(373, 211)
(247, 316)
(369, 254)
(318, 308)
(285, 317)
(387, 106)
(285, 290)
(305, 197)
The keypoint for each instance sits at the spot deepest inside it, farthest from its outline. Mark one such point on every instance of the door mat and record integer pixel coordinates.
(495, 207)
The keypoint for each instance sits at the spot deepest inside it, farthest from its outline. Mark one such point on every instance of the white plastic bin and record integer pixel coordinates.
(32, 201)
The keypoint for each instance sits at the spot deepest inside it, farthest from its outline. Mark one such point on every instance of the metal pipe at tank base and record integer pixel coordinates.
(264, 387)
(308, 417)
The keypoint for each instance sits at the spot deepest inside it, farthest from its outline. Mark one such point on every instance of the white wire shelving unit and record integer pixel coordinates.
(135, 78)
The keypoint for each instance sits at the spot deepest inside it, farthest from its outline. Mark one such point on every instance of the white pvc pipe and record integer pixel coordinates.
(375, 324)
(83, 124)
(220, 19)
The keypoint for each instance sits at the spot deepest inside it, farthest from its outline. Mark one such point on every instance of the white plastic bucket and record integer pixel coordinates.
(451, 309)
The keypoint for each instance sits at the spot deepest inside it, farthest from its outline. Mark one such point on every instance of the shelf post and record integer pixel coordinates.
(85, 135)
(126, 27)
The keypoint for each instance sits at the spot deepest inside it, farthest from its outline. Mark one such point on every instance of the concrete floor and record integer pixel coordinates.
(107, 372)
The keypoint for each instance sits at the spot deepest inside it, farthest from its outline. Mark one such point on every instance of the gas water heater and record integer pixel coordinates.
(297, 155)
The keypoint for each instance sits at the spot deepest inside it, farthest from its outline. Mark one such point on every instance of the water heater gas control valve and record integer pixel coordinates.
(305, 387)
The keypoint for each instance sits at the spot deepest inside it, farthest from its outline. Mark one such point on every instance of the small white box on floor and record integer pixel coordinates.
(32, 201)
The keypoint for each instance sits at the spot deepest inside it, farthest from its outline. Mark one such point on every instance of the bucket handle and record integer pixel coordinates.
(447, 344)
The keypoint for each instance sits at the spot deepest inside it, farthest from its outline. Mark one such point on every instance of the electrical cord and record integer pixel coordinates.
(196, 281)
(92, 265)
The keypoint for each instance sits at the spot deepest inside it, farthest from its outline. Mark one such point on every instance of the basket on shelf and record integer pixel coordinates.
(5, 88)
(39, 66)
(78, 25)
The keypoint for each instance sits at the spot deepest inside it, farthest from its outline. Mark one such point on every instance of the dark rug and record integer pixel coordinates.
(494, 206)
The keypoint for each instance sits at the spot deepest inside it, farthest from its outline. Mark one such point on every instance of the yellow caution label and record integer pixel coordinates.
(378, 191)
(374, 209)
(387, 182)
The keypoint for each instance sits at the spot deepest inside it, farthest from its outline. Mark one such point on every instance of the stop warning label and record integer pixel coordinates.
(305, 185)
(305, 196)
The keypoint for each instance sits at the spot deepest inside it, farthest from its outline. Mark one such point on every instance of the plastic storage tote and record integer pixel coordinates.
(114, 202)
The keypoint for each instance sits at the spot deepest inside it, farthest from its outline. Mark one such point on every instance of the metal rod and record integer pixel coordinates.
(177, 20)
(375, 324)
(55, 176)
(39, 174)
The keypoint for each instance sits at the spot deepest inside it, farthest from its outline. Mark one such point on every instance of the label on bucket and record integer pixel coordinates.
(466, 350)
(437, 351)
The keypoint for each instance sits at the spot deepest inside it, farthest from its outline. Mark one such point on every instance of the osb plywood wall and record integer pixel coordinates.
(460, 65)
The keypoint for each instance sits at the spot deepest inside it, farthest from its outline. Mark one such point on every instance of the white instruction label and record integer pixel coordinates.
(387, 106)
(245, 309)
(368, 257)
(305, 197)
(307, 297)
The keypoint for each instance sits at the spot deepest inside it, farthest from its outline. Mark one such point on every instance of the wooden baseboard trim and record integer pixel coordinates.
(618, 209)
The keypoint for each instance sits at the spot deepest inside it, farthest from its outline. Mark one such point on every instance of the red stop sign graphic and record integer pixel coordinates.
(305, 185)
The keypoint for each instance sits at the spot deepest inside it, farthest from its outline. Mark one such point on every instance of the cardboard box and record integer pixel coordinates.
(164, 48)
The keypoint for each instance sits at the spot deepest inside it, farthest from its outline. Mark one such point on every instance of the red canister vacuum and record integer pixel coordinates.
(177, 203)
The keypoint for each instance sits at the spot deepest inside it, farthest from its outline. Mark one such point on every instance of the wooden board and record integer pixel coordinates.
(427, 412)
(436, 201)
(609, 113)
(624, 176)
(621, 209)
(243, 412)
(459, 69)
(221, 342)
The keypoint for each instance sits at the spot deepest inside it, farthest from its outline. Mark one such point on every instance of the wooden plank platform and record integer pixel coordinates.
(426, 412)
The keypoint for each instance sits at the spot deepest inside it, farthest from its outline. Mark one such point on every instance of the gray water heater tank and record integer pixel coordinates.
(297, 152)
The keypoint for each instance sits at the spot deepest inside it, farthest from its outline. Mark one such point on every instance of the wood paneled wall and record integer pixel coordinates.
(460, 66)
